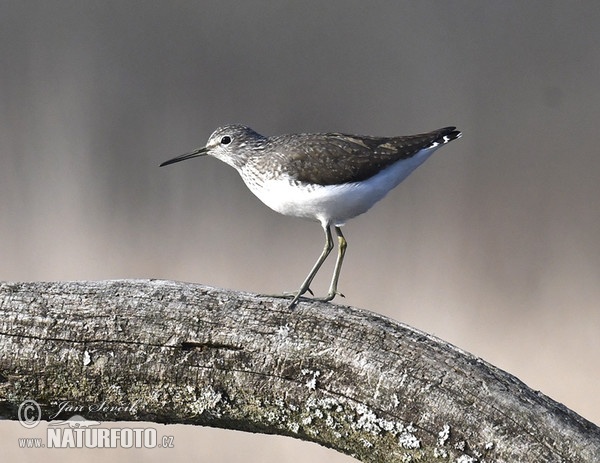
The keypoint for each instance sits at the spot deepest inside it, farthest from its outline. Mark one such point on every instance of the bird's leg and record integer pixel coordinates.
(342, 245)
(326, 250)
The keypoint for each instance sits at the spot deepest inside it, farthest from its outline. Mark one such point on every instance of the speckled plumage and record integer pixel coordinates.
(335, 158)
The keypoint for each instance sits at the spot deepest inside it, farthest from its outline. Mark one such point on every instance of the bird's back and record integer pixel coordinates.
(336, 158)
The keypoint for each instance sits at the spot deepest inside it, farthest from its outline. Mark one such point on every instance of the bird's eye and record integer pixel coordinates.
(225, 140)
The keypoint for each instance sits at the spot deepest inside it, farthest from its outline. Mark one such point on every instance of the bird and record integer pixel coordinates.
(325, 177)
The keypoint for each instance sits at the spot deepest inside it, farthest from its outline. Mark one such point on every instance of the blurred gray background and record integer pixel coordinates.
(493, 244)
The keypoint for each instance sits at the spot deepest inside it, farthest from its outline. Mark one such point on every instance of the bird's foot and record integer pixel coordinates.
(330, 296)
(289, 294)
(296, 296)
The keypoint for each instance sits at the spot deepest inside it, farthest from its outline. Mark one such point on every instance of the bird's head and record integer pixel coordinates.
(232, 144)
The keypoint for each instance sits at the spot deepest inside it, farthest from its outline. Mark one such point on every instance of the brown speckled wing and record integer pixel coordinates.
(335, 158)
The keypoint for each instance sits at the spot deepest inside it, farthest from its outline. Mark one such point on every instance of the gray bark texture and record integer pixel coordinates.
(342, 377)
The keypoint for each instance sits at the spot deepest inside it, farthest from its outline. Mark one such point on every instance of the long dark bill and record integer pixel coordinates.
(183, 157)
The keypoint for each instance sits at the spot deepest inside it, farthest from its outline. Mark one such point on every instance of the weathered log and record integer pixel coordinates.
(343, 377)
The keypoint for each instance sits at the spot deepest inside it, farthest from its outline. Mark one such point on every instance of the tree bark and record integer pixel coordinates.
(343, 377)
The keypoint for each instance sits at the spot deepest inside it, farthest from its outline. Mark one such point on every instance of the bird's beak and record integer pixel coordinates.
(183, 157)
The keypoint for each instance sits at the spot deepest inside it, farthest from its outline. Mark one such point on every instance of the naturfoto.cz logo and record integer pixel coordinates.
(79, 432)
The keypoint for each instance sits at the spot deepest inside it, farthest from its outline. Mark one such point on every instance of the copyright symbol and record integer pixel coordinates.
(29, 414)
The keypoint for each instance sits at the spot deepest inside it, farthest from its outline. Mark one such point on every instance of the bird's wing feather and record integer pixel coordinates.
(334, 158)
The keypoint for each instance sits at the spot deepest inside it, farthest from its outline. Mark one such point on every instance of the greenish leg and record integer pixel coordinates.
(326, 250)
(342, 245)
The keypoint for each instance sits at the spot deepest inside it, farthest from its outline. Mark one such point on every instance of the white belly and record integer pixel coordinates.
(334, 204)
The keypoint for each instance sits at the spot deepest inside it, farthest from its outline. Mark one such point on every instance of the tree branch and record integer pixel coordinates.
(343, 377)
